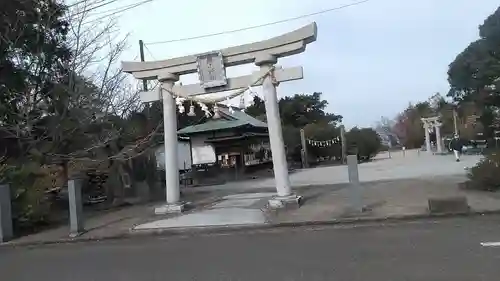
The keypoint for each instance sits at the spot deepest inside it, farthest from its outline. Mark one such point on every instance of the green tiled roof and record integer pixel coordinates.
(227, 121)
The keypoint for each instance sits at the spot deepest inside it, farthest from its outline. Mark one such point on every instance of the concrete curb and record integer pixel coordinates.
(193, 231)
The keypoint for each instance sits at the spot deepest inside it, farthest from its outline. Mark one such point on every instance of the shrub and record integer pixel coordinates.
(364, 142)
(485, 175)
(29, 183)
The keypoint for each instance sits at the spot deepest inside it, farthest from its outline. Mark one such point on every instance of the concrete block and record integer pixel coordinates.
(285, 202)
(6, 232)
(170, 208)
(448, 205)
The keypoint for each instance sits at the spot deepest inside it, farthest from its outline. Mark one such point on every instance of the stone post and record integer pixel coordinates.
(6, 232)
(172, 192)
(427, 138)
(343, 144)
(305, 162)
(354, 186)
(280, 165)
(352, 169)
(76, 220)
(439, 141)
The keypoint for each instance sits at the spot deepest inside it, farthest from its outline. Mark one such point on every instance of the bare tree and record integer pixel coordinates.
(386, 128)
(90, 103)
(97, 47)
(114, 100)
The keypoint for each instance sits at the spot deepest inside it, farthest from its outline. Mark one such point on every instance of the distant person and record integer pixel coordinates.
(456, 146)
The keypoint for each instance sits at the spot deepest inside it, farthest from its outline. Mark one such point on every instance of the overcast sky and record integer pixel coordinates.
(370, 60)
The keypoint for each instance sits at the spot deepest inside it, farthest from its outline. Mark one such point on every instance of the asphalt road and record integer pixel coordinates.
(447, 249)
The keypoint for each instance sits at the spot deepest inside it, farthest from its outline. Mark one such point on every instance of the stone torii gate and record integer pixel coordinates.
(210, 67)
(429, 124)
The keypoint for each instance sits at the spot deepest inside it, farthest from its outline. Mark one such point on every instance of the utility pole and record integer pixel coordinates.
(144, 81)
(303, 151)
(141, 52)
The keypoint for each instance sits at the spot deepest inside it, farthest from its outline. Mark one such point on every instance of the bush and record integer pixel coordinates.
(486, 174)
(364, 142)
(29, 183)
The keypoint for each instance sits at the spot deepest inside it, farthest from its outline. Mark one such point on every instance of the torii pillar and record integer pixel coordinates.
(210, 67)
(439, 141)
(280, 165)
(428, 146)
(170, 143)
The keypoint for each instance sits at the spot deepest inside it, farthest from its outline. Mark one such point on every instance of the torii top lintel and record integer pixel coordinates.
(431, 121)
(281, 46)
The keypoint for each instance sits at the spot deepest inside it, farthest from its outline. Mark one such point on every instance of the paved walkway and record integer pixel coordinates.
(386, 199)
(381, 199)
(413, 179)
(240, 209)
(397, 186)
(413, 164)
